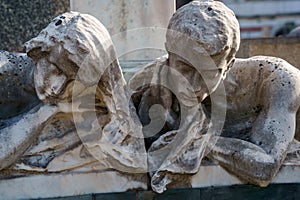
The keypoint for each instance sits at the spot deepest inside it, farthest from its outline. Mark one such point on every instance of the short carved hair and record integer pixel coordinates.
(210, 24)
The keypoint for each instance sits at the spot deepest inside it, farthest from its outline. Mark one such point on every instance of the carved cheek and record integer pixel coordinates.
(48, 79)
(57, 83)
(212, 79)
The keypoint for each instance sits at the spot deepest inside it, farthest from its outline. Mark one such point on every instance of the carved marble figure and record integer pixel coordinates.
(202, 39)
(78, 114)
(262, 98)
(83, 118)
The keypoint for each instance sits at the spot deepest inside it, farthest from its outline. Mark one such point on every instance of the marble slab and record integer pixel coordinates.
(62, 185)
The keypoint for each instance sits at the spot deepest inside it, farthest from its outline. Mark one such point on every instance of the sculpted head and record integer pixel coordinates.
(70, 42)
(204, 35)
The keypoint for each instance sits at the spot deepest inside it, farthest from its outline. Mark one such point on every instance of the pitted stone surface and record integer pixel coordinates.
(85, 121)
(76, 63)
(263, 97)
(201, 41)
(200, 24)
(17, 93)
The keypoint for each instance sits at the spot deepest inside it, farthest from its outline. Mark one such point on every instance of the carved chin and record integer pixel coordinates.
(64, 93)
(47, 98)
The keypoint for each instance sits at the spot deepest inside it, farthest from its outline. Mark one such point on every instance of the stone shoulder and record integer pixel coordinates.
(269, 76)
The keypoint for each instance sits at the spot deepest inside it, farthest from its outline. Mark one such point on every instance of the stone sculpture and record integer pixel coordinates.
(262, 100)
(256, 138)
(70, 55)
(169, 116)
(202, 39)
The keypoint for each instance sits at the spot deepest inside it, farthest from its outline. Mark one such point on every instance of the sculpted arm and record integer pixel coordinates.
(258, 159)
(17, 137)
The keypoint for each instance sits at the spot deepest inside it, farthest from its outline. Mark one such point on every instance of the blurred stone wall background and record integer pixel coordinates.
(21, 20)
(287, 48)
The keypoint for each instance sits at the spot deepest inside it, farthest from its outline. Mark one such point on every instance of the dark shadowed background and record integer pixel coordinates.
(21, 20)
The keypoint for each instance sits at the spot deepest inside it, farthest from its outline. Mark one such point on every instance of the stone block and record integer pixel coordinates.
(73, 184)
(215, 175)
(282, 47)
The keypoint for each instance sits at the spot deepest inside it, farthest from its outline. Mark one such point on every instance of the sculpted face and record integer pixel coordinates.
(204, 73)
(74, 55)
(202, 39)
(53, 75)
(71, 41)
(49, 80)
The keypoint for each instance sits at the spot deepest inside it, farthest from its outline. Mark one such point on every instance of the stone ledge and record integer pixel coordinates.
(76, 184)
(62, 185)
(217, 176)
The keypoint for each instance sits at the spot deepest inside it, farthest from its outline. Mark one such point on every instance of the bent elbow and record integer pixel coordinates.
(265, 174)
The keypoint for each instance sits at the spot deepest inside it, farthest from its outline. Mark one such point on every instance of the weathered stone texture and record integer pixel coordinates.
(22, 20)
(17, 93)
(282, 47)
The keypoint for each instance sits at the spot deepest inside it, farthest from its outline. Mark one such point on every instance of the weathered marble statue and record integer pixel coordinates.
(74, 58)
(262, 98)
(82, 117)
(202, 39)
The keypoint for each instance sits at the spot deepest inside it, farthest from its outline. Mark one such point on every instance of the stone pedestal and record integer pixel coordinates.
(70, 184)
(216, 176)
(74, 185)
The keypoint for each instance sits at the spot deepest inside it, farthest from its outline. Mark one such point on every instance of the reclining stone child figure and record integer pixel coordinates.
(70, 55)
(262, 94)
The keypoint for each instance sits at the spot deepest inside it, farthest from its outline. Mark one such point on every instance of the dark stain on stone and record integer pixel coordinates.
(58, 23)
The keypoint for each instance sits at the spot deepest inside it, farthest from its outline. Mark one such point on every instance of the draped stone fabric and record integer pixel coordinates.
(76, 70)
(202, 39)
(180, 146)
